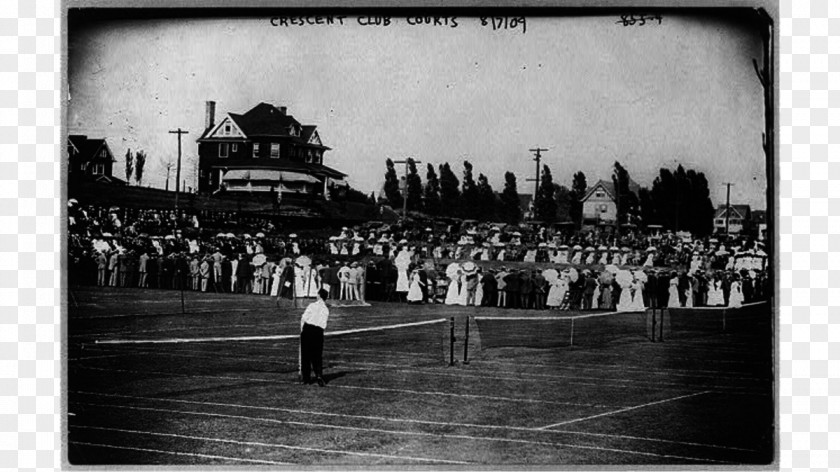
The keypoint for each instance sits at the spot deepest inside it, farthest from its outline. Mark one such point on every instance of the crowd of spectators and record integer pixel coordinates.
(191, 250)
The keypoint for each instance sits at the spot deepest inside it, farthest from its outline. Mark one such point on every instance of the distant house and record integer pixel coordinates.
(90, 160)
(740, 219)
(263, 150)
(599, 202)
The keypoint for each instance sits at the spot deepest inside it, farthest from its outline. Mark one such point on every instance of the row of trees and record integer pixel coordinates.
(677, 200)
(135, 164)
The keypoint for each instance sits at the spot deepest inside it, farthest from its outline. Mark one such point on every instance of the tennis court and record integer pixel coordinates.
(218, 385)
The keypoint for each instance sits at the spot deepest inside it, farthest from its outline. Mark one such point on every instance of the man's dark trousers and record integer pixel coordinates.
(311, 351)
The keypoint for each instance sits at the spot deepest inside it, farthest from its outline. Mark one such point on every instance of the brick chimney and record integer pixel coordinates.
(210, 114)
(283, 111)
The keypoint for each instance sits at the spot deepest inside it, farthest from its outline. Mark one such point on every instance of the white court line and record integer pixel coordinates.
(412, 433)
(625, 409)
(398, 420)
(189, 454)
(347, 387)
(723, 307)
(261, 444)
(262, 338)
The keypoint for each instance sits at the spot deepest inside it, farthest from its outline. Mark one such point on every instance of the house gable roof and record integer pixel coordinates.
(738, 211)
(609, 188)
(88, 149)
(266, 120)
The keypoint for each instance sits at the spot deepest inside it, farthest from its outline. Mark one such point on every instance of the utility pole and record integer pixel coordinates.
(537, 157)
(728, 186)
(179, 132)
(405, 188)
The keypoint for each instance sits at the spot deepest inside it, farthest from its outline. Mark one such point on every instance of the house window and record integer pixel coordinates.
(103, 153)
(98, 169)
(256, 150)
(735, 221)
(223, 150)
(603, 208)
(227, 129)
(275, 150)
(234, 147)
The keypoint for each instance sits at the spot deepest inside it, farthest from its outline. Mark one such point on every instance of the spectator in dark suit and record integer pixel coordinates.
(662, 287)
(526, 289)
(650, 297)
(512, 284)
(540, 290)
(488, 282)
(227, 273)
(589, 286)
(243, 275)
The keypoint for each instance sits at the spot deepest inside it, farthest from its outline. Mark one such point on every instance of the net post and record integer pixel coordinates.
(466, 341)
(572, 333)
(653, 324)
(661, 324)
(451, 341)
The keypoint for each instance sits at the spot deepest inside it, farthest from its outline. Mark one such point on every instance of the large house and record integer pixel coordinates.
(740, 218)
(599, 202)
(263, 150)
(90, 160)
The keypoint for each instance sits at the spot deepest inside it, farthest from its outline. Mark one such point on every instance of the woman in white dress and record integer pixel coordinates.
(275, 278)
(638, 303)
(625, 299)
(715, 293)
(555, 295)
(415, 292)
(453, 292)
(616, 259)
(576, 258)
(479, 291)
(673, 293)
(736, 296)
(649, 260)
(624, 258)
(463, 292)
(590, 259)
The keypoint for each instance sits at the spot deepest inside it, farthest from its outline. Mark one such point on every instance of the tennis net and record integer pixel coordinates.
(561, 331)
(752, 318)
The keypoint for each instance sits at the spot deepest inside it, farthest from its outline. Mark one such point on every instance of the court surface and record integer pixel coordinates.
(142, 391)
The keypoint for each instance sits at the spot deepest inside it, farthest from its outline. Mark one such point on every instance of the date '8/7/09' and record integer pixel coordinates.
(504, 22)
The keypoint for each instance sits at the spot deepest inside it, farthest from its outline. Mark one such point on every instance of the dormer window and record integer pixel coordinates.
(227, 129)
(103, 154)
(599, 194)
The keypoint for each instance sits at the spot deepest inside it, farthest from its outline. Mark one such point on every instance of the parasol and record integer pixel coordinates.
(589, 249)
(611, 268)
(651, 249)
(624, 278)
(577, 248)
(302, 261)
(550, 275)
(246, 236)
(573, 274)
(469, 267)
(640, 276)
(259, 259)
(230, 235)
(293, 235)
(168, 236)
(452, 270)
(605, 278)
(602, 248)
(220, 235)
(625, 249)
(260, 235)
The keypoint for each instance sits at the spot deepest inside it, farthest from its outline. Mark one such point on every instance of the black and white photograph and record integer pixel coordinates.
(518, 238)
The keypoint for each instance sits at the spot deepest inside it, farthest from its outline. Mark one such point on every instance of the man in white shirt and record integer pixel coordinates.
(312, 326)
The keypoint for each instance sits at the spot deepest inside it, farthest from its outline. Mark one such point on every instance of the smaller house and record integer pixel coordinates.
(599, 202)
(739, 219)
(90, 160)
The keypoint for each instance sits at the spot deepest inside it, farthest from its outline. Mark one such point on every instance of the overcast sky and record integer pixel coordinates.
(589, 90)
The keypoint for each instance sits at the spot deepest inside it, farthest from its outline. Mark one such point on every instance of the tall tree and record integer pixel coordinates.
(680, 201)
(449, 193)
(487, 200)
(431, 193)
(469, 192)
(413, 187)
(511, 211)
(129, 166)
(545, 207)
(627, 203)
(392, 185)
(562, 196)
(579, 188)
(139, 166)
